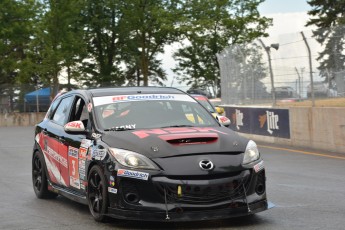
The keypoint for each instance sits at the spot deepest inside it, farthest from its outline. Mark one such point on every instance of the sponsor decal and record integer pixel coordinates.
(82, 153)
(133, 174)
(131, 126)
(56, 156)
(82, 158)
(73, 167)
(52, 159)
(74, 125)
(112, 190)
(145, 133)
(73, 152)
(96, 135)
(54, 171)
(74, 182)
(140, 97)
(259, 166)
(98, 154)
(111, 181)
(86, 143)
(82, 169)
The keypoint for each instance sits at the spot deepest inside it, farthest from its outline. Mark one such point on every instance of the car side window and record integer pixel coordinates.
(79, 111)
(52, 108)
(62, 111)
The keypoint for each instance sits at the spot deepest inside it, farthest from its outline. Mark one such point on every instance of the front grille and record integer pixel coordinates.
(204, 191)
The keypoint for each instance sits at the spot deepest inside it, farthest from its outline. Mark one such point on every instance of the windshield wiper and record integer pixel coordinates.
(176, 126)
(118, 129)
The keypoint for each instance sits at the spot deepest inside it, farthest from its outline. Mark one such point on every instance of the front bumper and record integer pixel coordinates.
(181, 215)
(222, 196)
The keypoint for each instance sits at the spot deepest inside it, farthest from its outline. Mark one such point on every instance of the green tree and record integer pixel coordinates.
(329, 18)
(102, 21)
(208, 27)
(150, 25)
(58, 45)
(16, 22)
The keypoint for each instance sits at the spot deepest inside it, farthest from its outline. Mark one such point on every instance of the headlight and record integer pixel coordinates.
(252, 153)
(132, 159)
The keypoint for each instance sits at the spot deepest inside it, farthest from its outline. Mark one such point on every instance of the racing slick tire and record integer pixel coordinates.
(97, 194)
(39, 177)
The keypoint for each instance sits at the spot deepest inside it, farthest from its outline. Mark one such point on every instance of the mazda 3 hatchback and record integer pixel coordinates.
(134, 153)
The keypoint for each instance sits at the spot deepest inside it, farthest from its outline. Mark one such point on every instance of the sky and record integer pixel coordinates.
(283, 6)
(289, 19)
(289, 16)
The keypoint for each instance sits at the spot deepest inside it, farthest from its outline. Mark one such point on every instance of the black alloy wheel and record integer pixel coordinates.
(39, 177)
(97, 195)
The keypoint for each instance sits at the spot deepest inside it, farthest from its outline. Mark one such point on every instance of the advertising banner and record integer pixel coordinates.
(260, 121)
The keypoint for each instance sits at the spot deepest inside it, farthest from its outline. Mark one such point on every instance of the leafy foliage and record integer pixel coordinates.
(16, 22)
(151, 24)
(329, 18)
(208, 27)
(113, 42)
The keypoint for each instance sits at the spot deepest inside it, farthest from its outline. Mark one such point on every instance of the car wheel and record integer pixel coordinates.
(39, 177)
(97, 195)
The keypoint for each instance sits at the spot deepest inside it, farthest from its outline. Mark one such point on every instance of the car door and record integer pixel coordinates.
(76, 146)
(52, 142)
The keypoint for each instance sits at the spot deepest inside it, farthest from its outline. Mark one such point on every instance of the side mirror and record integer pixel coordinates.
(220, 110)
(223, 120)
(74, 127)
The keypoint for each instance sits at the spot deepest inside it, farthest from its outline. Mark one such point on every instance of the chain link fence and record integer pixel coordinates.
(281, 68)
(264, 71)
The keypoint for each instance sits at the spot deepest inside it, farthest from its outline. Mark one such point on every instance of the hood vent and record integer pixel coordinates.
(190, 138)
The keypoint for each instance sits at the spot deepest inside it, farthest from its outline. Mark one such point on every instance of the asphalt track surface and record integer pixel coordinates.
(307, 187)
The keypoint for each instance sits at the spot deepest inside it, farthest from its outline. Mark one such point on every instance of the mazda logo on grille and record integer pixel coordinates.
(206, 165)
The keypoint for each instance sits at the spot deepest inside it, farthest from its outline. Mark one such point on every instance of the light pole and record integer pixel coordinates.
(268, 51)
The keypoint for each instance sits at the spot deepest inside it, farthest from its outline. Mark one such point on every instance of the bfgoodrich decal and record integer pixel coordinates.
(132, 174)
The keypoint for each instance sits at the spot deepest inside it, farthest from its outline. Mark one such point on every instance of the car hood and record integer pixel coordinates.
(171, 142)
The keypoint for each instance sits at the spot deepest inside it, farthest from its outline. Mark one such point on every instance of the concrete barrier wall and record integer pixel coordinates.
(318, 128)
(20, 119)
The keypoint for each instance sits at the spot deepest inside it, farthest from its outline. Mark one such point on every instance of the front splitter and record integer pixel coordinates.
(184, 216)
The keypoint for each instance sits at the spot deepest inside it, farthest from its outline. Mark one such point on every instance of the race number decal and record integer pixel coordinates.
(73, 167)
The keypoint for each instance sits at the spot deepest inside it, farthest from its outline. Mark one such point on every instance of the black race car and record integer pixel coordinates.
(145, 153)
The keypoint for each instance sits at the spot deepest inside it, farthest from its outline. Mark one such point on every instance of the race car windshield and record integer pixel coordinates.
(126, 112)
(207, 105)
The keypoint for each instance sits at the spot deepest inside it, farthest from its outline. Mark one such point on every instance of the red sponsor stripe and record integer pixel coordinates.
(146, 133)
